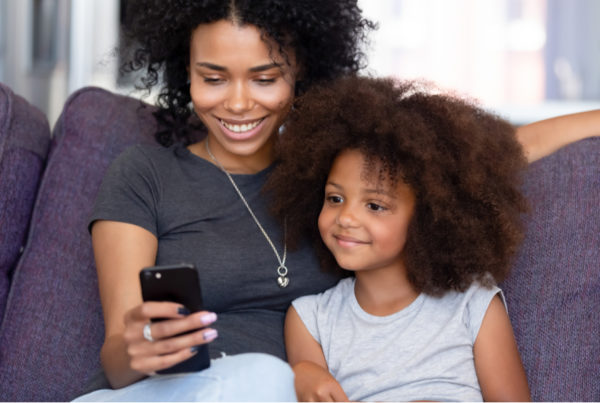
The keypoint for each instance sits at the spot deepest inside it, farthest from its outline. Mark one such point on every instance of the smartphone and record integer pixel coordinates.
(176, 283)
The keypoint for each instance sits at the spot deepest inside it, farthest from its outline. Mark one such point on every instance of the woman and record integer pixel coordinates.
(240, 64)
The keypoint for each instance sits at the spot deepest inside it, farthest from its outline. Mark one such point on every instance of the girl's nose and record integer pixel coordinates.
(346, 217)
(238, 99)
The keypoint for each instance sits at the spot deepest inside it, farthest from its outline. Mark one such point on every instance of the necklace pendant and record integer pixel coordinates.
(283, 281)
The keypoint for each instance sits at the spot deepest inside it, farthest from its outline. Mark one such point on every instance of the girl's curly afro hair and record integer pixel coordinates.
(463, 164)
(326, 37)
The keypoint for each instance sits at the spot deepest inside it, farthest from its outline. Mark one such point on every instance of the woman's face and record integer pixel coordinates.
(241, 89)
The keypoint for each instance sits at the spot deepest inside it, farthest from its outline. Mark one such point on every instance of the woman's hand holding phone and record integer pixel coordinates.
(170, 346)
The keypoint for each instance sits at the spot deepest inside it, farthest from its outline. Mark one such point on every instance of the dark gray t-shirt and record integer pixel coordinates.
(194, 211)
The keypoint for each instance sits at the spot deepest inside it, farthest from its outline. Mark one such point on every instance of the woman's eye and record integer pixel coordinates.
(213, 80)
(265, 81)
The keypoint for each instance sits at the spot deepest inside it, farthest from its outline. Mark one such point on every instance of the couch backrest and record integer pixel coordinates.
(553, 293)
(24, 142)
(52, 330)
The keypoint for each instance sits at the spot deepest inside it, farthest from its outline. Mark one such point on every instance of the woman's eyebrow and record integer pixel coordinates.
(256, 69)
(211, 66)
(264, 67)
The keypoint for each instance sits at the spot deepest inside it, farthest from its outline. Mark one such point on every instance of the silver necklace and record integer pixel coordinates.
(282, 271)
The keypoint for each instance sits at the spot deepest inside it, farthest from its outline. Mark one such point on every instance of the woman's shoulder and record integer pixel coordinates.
(143, 156)
(148, 151)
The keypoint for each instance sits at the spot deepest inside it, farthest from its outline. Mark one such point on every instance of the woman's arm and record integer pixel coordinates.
(542, 138)
(497, 361)
(313, 381)
(121, 250)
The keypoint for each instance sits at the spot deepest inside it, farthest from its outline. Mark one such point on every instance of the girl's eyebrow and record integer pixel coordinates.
(375, 191)
(333, 184)
(380, 192)
(256, 69)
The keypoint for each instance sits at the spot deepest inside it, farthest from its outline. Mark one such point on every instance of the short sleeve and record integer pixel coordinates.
(479, 299)
(307, 308)
(129, 192)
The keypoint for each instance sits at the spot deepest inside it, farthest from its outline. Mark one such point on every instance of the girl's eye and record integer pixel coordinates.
(334, 199)
(375, 207)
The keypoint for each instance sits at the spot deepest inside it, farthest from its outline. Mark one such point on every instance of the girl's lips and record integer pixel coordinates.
(241, 135)
(347, 241)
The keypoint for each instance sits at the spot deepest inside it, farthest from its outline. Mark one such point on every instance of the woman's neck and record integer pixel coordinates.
(383, 292)
(232, 163)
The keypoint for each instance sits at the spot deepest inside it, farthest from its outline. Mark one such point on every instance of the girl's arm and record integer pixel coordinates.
(121, 250)
(497, 362)
(542, 138)
(313, 380)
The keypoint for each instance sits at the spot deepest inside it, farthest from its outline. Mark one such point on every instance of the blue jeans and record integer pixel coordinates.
(244, 377)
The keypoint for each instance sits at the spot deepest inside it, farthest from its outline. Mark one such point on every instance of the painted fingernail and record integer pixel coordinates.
(210, 334)
(183, 310)
(208, 318)
(194, 349)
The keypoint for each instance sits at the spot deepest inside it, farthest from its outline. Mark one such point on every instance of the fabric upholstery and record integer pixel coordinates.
(24, 142)
(553, 293)
(53, 328)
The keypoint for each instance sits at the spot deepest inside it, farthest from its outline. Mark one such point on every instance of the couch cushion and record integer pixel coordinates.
(52, 331)
(553, 293)
(24, 141)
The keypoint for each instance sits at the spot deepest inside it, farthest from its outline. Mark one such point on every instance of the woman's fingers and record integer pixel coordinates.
(172, 344)
(150, 364)
(153, 344)
(153, 310)
(175, 320)
(169, 328)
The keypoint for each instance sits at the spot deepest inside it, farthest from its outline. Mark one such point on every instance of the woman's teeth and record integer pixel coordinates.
(241, 128)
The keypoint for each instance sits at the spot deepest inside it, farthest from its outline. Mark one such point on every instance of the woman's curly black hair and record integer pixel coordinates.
(326, 37)
(463, 163)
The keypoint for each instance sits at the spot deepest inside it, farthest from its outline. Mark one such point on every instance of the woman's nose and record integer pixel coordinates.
(238, 99)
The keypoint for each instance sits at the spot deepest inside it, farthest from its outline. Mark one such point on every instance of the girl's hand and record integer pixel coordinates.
(169, 345)
(315, 384)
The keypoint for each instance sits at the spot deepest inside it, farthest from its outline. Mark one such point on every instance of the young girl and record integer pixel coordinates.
(416, 195)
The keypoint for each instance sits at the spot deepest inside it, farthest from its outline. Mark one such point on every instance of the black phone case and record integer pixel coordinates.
(176, 283)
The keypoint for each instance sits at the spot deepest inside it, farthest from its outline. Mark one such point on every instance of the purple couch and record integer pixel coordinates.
(52, 328)
(24, 141)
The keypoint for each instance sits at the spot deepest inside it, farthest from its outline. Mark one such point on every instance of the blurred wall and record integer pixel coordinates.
(50, 48)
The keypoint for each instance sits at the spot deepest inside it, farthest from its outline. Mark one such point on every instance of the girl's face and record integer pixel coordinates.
(241, 89)
(363, 221)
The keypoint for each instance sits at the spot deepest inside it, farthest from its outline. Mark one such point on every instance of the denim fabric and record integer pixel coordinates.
(245, 377)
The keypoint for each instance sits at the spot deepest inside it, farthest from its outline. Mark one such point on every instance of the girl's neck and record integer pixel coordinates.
(233, 163)
(383, 292)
